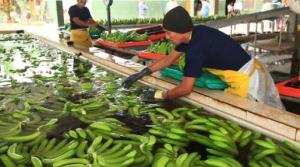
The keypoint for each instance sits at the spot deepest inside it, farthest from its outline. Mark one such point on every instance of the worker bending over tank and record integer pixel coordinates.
(212, 50)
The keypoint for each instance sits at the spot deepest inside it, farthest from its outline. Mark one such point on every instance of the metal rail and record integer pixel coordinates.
(254, 17)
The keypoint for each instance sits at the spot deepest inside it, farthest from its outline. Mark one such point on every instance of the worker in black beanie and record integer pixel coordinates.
(210, 49)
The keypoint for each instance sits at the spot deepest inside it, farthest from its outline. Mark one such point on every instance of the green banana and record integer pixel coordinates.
(266, 152)
(175, 136)
(41, 147)
(65, 155)
(101, 126)
(180, 160)
(72, 145)
(36, 162)
(284, 162)
(80, 152)
(36, 140)
(73, 134)
(165, 113)
(162, 162)
(70, 161)
(246, 134)
(216, 162)
(104, 146)
(3, 149)
(177, 111)
(202, 140)
(113, 149)
(81, 133)
(96, 142)
(119, 153)
(254, 164)
(60, 145)
(192, 157)
(49, 146)
(231, 161)
(23, 138)
(7, 162)
(265, 144)
(218, 152)
(225, 147)
(11, 152)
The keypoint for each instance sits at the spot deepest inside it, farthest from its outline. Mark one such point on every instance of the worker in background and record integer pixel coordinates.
(170, 5)
(230, 8)
(81, 19)
(211, 49)
(205, 8)
(143, 9)
(197, 7)
(238, 7)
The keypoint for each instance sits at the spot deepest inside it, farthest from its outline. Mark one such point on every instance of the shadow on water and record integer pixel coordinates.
(137, 124)
(66, 123)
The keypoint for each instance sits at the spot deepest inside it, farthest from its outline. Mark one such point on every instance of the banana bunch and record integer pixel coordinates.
(133, 36)
(109, 128)
(9, 126)
(111, 87)
(57, 153)
(39, 152)
(168, 156)
(135, 110)
(109, 153)
(78, 133)
(161, 47)
(24, 126)
(267, 153)
(121, 37)
(118, 155)
(170, 135)
(91, 107)
(213, 133)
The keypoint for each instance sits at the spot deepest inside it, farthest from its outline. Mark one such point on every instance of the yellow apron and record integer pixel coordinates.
(81, 38)
(253, 81)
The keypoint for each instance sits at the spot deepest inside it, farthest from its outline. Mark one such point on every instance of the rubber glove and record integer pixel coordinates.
(133, 78)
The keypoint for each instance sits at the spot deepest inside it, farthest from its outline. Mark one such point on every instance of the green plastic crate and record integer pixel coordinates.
(207, 79)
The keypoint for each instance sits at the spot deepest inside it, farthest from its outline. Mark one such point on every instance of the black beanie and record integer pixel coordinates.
(178, 20)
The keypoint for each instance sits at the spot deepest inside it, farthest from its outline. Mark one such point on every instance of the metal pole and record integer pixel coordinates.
(296, 56)
(59, 13)
(282, 21)
(255, 39)
(108, 19)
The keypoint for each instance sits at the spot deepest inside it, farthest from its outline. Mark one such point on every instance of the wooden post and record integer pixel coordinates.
(188, 6)
(59, 13)
(296, 57)
(214, 7)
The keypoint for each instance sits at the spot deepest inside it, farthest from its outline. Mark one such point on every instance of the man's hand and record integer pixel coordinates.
(133, 78)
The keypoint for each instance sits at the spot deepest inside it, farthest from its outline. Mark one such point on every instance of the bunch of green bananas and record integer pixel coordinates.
(169, 156)
(268, 153)
(181, 62)
(162, 47)
(121, 37)
(95, 32)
